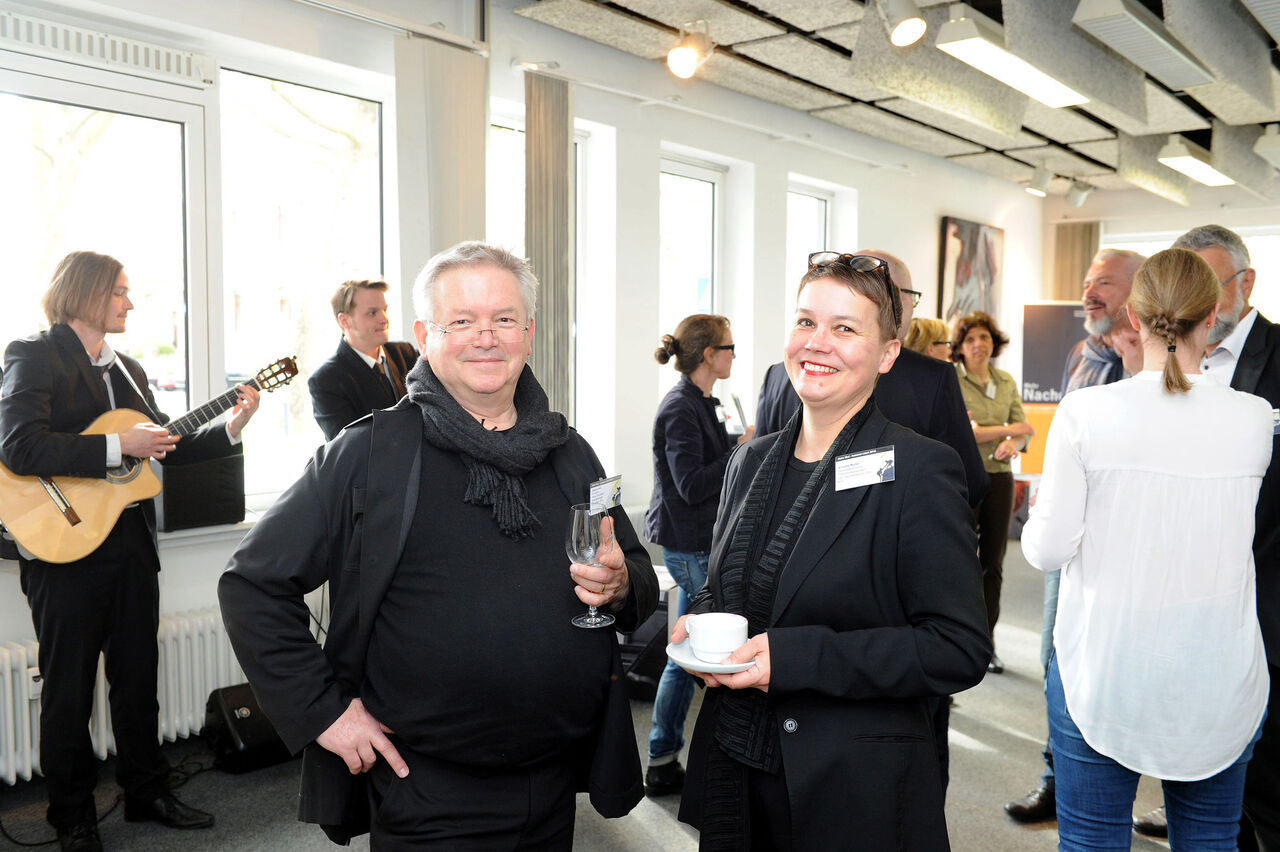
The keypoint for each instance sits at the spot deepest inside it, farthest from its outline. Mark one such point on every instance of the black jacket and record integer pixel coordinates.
(690, 449)
(345, 388)
(345, 522)
(878, 608)
(1258, 372)
(919, 392)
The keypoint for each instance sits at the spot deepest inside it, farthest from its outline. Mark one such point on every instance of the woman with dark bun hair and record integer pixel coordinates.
(690, 450)
(1001, 429)
(1147, 507)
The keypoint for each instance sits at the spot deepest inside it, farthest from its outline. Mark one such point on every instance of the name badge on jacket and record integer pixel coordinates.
(869, 467)
(606, 494)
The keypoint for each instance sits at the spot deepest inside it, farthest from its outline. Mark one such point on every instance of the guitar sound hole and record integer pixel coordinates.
(126, 471)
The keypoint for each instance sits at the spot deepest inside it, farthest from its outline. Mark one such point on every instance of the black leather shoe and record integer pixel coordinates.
(664, 779)
(1037, 806)
(1152, 823)
(167, 810)
(80, 838)
(996, 666)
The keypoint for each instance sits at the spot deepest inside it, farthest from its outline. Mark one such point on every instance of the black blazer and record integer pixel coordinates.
(51, 392)
(345, 388)
(345, 522)
(919, 392)
(1258, 372)
(878, 608)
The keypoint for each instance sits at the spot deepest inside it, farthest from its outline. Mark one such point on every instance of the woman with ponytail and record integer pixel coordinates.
(1147, 506)
(690, 450)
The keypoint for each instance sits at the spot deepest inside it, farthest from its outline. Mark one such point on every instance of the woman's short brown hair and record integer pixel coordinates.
(80, 287)
(870, 285)
(970, 321)
(693, 335)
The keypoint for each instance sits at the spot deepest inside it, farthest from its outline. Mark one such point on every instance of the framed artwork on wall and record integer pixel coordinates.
(971, 264)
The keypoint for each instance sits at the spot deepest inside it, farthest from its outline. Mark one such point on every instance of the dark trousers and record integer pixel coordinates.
(992, 516)
(1260, 826)
(445, 806)
(107, 602)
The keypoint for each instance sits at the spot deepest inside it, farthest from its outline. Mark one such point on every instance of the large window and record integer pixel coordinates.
(302, 212)
(504, 188)
(688, 241)
(92, 169)
(807, 232)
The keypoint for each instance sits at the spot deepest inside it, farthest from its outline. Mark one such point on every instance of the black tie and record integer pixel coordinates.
(381, 369)
(119, 386)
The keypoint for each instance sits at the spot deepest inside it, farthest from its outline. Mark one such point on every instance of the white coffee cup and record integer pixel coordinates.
(715, 635)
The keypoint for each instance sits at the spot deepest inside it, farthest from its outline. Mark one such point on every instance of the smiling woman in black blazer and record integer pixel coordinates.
(863, 598)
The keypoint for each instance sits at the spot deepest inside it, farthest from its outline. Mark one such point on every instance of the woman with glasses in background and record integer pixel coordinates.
(994, 402)
(690, 450)
(929, 336)
(861, 591)
(1147, 507)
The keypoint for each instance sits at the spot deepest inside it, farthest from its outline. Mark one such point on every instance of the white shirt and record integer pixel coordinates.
(1147, 505)
(1220, 364)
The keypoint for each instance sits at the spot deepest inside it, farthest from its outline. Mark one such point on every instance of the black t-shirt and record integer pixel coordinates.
(473, 658)
(794, 476)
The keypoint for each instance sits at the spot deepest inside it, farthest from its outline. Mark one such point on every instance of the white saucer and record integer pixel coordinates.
(682, 655)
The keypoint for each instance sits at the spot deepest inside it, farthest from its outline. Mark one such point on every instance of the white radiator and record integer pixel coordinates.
(195, 659)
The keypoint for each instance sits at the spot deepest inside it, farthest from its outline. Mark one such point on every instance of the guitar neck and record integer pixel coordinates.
(197, 417)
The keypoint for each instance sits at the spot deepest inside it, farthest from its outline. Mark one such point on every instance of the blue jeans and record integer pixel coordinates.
(675, 689)
(1095, 794)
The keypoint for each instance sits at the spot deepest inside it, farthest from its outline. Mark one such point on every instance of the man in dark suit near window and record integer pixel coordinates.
(1244, 352)
(367, 371)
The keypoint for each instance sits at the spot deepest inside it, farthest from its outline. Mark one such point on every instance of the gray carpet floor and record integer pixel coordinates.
(997, 729)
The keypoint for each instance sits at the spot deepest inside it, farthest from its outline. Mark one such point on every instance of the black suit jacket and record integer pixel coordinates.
(51, 392)
(1258, 372)
(345, 522)
(345, 388)
(878, 608)
(919, 392)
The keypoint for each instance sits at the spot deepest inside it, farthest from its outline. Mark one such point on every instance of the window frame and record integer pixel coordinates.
(714, 173)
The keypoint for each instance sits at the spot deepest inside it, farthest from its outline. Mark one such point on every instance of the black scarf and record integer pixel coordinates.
(496, 461)
(746, 732)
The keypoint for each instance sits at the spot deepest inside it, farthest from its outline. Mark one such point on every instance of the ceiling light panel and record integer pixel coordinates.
(1040, 32)
(1267, 13)
(959, 127)
(938, 82)
(1136, 163)
(1102, 150)
(1062, 125)
(1193, 161)
(1060, 161)
(801, 57)
(883, 125)
(1134, 32)
(810, 15)
(1229, 42)
(599, 23)
(1231, 153)
(750, 79)
(1164, 114)
(996, 165)
(727, 24)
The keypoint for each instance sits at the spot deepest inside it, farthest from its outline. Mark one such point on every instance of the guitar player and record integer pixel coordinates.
(55, 384)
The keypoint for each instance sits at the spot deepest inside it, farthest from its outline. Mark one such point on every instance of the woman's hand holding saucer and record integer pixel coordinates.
(756, 648)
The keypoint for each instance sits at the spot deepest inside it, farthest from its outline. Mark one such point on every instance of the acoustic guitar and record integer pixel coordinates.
(65, 518)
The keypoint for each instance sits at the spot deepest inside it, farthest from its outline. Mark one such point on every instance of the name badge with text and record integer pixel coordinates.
(606, 494)
(869, 467)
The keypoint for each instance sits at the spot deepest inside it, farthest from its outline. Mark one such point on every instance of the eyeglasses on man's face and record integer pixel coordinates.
(466, 332)
(915, 295)
(864, 263)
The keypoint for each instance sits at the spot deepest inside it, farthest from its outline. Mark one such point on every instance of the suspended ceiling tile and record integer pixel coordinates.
(599, 23)
(845, 35)
(1164, 114)
(1231, 152)
(1136, 162)
(926, 76)
(1230, 44)
(811, 61)
(883, 125)
(1062, 125)
(1102, 150)
(748, 78)
(996, 165)
(1041, 32)
(1111, 183)
(958, 127)
(1233, 106)
(726, 24)
(810, 15)
(1058, 161)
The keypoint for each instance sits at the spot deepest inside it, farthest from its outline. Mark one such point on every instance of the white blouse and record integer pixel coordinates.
(1147, 505)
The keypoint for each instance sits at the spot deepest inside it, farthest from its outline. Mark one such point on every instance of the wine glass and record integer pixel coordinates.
(582, 543)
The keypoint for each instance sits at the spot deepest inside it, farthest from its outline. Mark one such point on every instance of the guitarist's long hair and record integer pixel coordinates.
(80, 287)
